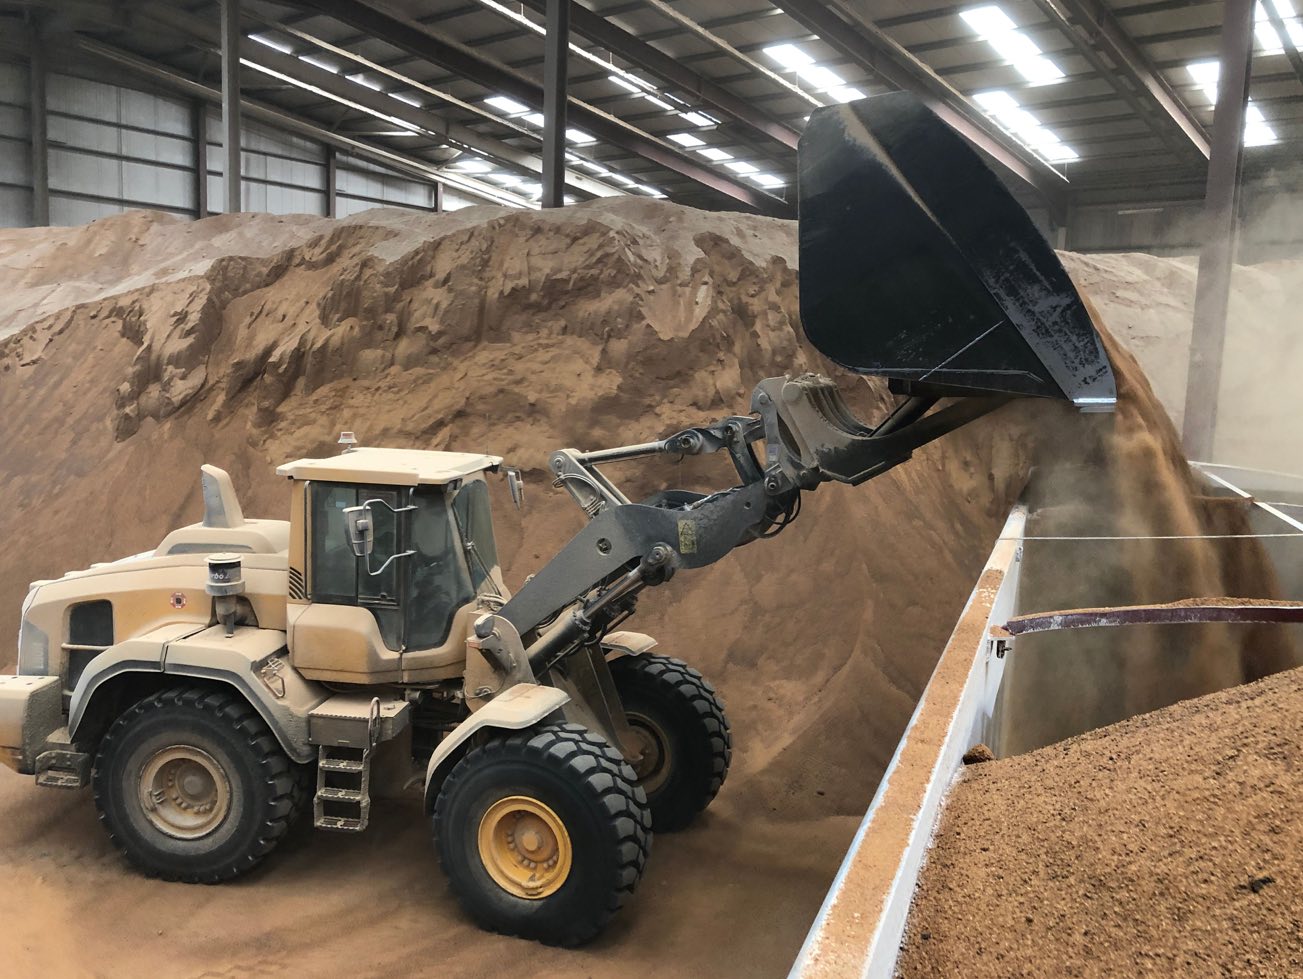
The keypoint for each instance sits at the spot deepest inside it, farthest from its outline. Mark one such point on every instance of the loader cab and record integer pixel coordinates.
(391, 555)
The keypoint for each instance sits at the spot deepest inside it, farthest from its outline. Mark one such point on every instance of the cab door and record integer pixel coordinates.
(353, 628)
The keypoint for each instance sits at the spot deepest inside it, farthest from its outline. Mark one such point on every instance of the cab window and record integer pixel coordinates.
(475, 520)
(437, 581)
(338, 576)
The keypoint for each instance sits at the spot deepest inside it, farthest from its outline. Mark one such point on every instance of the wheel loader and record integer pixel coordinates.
(246, 671)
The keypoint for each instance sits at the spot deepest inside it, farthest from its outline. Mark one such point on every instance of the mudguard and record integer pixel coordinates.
(617, 644)
(521, 706)
(253, 661)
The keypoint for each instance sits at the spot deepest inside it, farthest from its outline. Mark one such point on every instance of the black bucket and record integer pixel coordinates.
(917, 264)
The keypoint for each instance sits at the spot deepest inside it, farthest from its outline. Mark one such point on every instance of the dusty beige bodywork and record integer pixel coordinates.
(288, 655)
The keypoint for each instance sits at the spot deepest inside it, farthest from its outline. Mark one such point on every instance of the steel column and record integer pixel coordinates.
(335, 86)
(1212, 290)
(231, 103)
(39, 133)
(438, 198)
(418, 40)
(556, 70)
(332, 182)
(399, 162)
(199, 125)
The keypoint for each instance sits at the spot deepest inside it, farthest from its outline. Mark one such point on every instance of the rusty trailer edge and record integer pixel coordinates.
(859, 929)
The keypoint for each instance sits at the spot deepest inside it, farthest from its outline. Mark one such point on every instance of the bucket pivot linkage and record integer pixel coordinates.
(917, 266)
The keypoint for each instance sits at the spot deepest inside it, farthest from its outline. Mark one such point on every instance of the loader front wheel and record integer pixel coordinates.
(192, 786)
(682, 731)
(543, 833)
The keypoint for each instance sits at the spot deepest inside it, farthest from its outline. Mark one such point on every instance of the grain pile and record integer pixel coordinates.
(1167, 845)
(148, 346)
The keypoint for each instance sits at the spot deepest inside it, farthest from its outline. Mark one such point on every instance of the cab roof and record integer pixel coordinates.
(391, 467)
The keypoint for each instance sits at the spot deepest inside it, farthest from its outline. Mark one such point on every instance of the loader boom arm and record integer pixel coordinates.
(916, 265)
(805, 434)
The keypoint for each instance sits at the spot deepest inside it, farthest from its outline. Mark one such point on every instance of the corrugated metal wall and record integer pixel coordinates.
(112, 148)
(15, 147)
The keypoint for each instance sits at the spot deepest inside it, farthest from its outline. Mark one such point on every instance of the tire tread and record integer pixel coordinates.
(276, 770)
(609, 779)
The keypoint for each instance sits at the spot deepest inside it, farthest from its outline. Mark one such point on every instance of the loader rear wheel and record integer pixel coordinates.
(680, 725)
(543, 833)
(192, 785)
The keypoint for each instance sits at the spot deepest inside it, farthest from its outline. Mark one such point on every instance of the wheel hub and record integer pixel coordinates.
(184, 792)
(653, 764)
(525, 847)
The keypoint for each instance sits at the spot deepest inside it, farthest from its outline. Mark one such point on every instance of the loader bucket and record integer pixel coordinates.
(917, 264)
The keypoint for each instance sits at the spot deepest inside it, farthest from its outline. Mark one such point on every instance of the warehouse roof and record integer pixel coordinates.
(702, 101)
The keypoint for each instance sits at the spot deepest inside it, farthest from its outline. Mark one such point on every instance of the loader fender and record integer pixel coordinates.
(617, 644)
(254, 661)
(520, 707)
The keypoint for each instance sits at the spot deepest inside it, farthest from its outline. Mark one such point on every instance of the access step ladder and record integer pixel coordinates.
(343, 799)
(346, 728)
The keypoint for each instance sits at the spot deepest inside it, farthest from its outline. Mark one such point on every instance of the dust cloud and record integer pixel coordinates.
(1149, 302)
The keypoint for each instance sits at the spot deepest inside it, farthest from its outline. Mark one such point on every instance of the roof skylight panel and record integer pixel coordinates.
(506, 106)
(994, 26)
(819, 78)
(1268, 37)
(1025, 127)
(1257, 131)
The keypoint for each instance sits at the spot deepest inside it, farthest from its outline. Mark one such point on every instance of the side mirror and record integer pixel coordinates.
(516, 484)
(361, 531)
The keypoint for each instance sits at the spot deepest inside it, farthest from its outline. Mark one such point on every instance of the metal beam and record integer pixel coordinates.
(600, 30)
(1101, 28)
(336, 88)
(399, 162)
(39, 132)
(856, 37)
(199, 125)
(556, 68)
(231, 104)
(1282, 31)
(410, 36)
(1212, 289)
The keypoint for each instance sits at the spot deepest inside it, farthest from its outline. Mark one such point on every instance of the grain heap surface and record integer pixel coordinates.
(1167, 845)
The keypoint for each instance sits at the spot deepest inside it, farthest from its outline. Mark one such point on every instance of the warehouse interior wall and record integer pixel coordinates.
(113, 148)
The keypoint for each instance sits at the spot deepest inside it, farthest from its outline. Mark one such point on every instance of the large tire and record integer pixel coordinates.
(559, 794)
(192, 786)
(681, 724)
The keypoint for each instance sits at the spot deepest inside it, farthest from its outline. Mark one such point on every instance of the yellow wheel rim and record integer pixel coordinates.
(525, 847)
